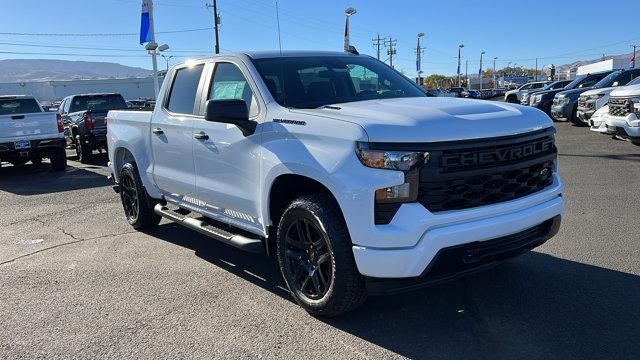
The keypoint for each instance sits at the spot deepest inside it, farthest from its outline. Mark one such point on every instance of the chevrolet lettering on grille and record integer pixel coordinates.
(492, 157)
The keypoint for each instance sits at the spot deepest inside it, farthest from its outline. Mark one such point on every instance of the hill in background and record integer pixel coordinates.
(24, 70)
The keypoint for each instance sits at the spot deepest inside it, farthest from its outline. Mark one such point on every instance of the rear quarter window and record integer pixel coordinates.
(182, 97)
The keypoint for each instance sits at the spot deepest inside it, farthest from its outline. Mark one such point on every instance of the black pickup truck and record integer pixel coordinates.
(84, 119)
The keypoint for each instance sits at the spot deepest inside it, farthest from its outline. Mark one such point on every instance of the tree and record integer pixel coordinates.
(437, 81)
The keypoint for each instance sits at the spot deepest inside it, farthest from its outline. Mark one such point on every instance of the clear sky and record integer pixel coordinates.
(515, 31)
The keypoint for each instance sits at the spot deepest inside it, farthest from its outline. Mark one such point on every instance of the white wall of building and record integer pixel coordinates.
(605, 65)
(46, 91)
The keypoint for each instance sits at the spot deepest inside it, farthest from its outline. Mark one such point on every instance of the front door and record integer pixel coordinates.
(228, 163)
(172, 135)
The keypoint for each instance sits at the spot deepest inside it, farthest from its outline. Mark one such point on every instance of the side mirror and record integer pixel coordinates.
(615, 83)
(231, 111)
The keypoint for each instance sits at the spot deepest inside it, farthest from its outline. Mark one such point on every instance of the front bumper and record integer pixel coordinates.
(585, 113)
(452, 228)
(461, 260)
(561, 112)
(625, 127)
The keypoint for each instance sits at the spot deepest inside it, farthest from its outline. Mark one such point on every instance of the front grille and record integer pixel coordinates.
(462, 176)
(620, 106)
(582, 102)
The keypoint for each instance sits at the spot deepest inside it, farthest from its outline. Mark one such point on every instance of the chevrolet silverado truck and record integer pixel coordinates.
(84, 119)
(340, 168)
(592, 100)
(623, 118)
(28, 133)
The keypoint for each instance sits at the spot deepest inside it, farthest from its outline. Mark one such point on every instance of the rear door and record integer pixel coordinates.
(172, 135)
(24, 119)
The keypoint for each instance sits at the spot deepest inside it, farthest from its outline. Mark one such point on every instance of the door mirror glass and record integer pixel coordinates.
(615, 83)
(231, 111)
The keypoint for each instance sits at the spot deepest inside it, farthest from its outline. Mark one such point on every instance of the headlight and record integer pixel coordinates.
(537, 99)
(635, 101)
(391, 160)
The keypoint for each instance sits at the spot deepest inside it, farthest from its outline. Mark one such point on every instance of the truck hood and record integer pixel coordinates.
(433, 119)
(599, 91)
(573, 92)
(625, 91)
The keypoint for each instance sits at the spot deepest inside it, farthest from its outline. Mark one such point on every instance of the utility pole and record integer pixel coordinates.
(377, 43)
(480, 71)
(494, 72)
(459, 54)
(633, 59)
(216, 22)
(536, 79)
(419, 51)
(466, 73)
(390, 45)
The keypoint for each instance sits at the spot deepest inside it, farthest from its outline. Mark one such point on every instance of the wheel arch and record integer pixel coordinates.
(285, 188)
(122, 154)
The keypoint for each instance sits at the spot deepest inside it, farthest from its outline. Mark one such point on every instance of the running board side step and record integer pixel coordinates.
(241, 242)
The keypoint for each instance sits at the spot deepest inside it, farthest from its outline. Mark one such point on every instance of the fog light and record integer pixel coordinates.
(394, 194)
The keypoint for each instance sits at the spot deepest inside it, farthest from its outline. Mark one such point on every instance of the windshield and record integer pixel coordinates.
(607, 80)
(98, 103)
(19, 106)
(635, 81)
(311, 82)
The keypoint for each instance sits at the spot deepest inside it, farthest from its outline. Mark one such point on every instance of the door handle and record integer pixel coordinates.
(158, 131)
(201, 136)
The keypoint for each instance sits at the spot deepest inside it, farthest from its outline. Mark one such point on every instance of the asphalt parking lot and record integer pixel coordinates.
(77, 281)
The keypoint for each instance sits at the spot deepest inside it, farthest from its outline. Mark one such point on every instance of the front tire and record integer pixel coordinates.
(137, 204)
(316, 258)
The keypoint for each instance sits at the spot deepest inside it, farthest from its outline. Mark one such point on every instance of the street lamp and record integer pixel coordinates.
(154, 50)
(480, 72)
(459, 55)
(167, 59)
(419, 59)
(349, 12)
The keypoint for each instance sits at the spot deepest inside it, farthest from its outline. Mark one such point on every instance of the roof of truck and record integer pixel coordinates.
(293, 53)
(11, 97)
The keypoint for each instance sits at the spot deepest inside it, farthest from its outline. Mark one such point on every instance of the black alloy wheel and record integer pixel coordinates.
(309, 264)
(130, 198)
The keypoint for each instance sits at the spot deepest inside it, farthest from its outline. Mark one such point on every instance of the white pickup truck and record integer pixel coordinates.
(28, 133)
(341, 168)
(623, 117)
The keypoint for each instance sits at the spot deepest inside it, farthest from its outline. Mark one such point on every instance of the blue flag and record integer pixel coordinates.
(145, 23)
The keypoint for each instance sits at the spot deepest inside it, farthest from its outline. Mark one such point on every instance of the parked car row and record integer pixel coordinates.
(606, 101)
(476, 94)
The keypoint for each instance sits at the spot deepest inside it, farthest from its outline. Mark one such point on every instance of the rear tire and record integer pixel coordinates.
(36, 161)
(316, 257)
(82, 151)
(58, 158)
(137, 204)
(512, 99)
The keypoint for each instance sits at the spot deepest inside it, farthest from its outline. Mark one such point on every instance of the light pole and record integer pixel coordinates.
(167, 59)
(154, 50)
(480, 72)
(494, 72)
(419, 59)
(349, 12)
(459, 55)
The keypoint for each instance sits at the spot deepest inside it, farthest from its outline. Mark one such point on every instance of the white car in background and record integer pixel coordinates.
(623, 117)
(515, 96)
(597, 121)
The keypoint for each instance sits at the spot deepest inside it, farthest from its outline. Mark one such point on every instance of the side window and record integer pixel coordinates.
(61, 107)
(67, 105)
(229, 83)
(623, 79)
(182, 97)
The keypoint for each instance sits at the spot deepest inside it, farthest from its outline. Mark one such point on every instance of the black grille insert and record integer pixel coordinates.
(486, 172)
(620, 106)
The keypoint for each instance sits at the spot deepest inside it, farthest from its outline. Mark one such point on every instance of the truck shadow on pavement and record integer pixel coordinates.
(31, 180)
(534, 306)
